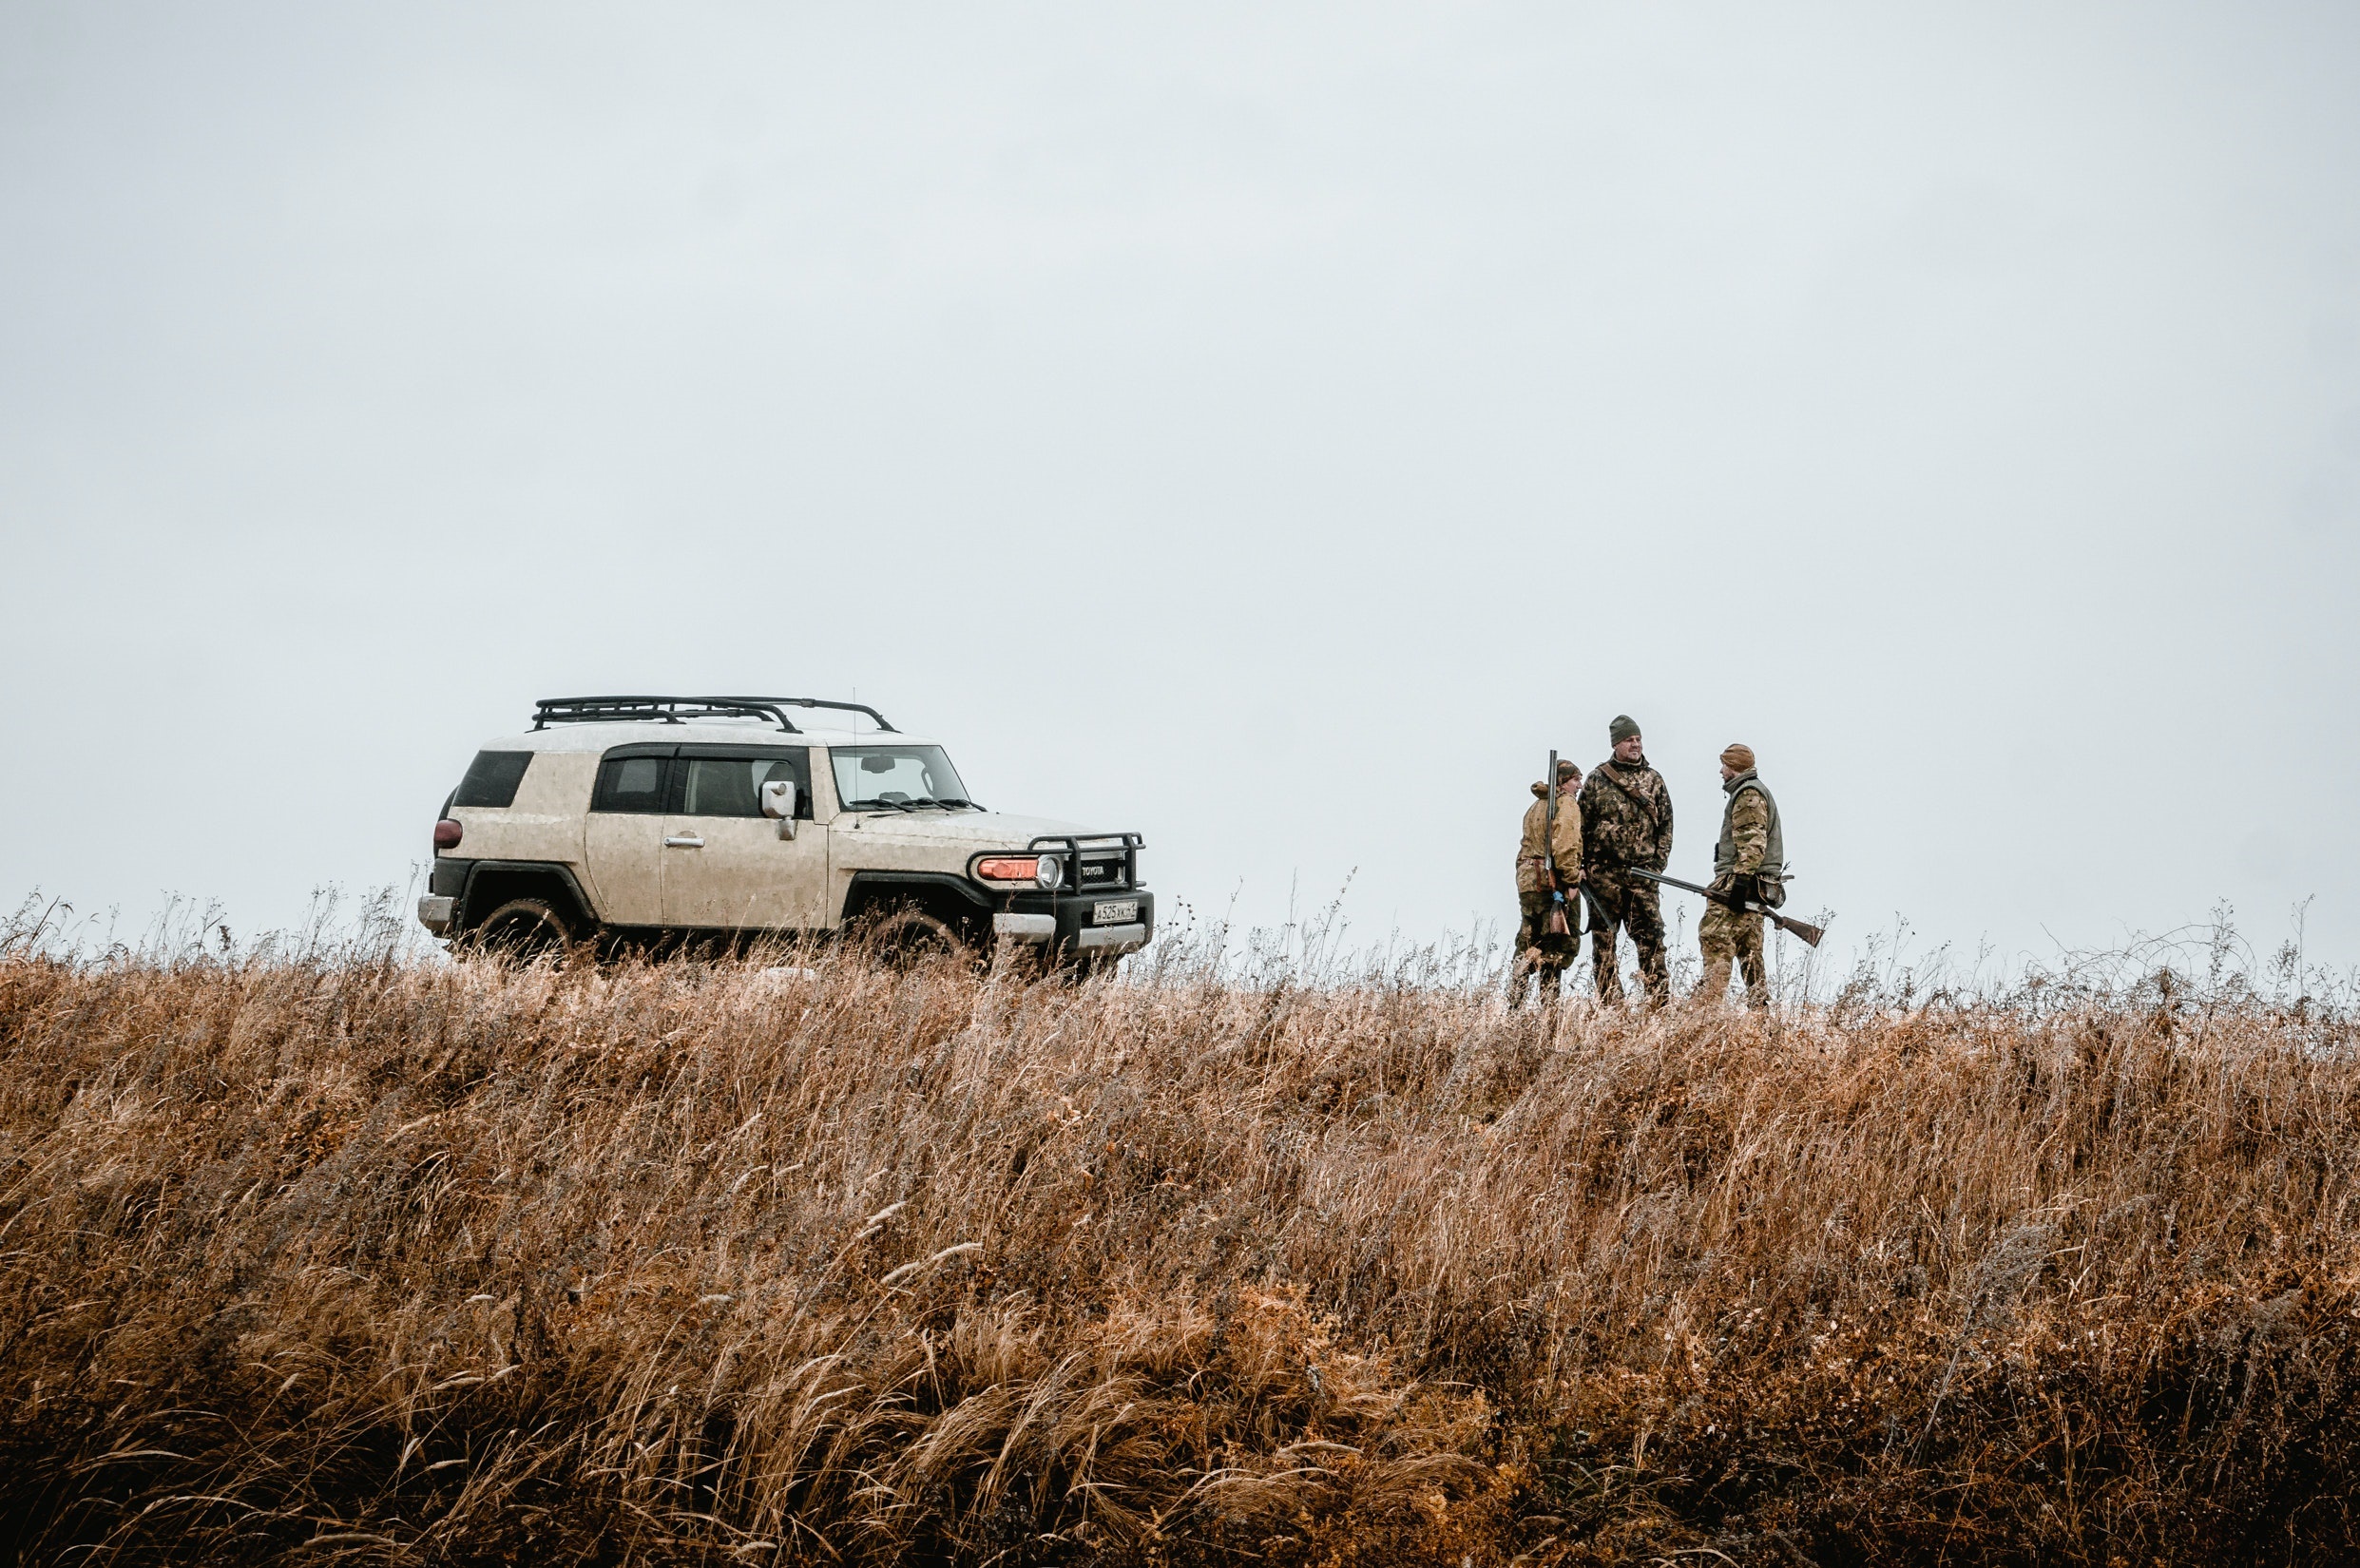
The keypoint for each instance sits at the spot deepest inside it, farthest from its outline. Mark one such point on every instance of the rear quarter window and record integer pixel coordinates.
(491, 778)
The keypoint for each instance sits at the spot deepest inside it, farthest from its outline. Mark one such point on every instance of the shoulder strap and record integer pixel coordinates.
(1601, 772)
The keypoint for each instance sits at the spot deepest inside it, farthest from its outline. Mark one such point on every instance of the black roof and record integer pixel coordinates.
(671, 710)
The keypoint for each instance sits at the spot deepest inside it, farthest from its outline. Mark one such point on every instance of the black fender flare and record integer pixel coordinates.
(948, 897)
(583, 913)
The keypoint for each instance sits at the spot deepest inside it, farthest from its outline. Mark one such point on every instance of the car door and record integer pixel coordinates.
(725, 865)
(623, 835)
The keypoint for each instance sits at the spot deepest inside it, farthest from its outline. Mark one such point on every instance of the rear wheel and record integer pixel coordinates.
(522, 930)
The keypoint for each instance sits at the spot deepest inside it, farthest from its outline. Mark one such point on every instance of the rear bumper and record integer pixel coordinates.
(1071, 921)
(446, 894)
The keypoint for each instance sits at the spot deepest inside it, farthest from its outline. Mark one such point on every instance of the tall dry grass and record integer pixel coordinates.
(338, 1256)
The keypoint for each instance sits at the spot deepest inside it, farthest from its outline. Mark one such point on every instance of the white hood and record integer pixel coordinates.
(965, 831)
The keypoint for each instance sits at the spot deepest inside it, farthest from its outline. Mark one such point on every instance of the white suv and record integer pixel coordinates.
(670, 821)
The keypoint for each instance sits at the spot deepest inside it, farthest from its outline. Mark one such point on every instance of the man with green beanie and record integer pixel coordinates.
(1749, 863)
(1626, 824)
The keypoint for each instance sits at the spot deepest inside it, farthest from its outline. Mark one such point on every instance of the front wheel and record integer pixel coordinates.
(522, 930)
(912, 939)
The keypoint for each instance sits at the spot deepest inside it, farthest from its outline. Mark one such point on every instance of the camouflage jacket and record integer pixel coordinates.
(1751, 839)
(1530, 852)
(1627, 812)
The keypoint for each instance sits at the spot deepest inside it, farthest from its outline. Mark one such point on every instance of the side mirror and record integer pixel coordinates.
(779, 802)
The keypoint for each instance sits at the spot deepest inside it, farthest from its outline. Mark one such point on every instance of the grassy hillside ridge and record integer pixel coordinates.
(346, 1258)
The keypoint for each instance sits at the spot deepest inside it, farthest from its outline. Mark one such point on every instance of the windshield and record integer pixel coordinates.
(878, 779)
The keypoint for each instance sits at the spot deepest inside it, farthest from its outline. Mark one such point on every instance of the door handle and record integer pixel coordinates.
(683, 841)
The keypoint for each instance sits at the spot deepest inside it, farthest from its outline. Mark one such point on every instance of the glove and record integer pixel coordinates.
(1725, 885)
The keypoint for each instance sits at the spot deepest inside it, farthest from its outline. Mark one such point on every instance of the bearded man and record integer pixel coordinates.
(1626, 824)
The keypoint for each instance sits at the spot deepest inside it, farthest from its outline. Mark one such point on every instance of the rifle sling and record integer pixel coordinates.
(1605, 772)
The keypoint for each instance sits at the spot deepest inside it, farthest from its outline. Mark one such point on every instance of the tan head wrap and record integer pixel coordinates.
(1740, 755)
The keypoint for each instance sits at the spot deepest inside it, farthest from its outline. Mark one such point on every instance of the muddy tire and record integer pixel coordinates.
(522, 930)
(912, 939)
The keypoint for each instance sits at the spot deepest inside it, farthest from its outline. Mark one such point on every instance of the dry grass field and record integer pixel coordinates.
(332, 1255)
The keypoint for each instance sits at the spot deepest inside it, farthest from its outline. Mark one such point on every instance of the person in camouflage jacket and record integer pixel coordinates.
(1542, 954)
(1746, 863)
(1626, 822)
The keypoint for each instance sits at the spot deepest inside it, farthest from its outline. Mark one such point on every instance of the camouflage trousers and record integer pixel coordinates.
(1726, 935)
(1632, 904)
(1557, 951)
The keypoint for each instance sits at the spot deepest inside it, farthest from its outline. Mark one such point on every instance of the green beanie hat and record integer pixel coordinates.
(1623, 728)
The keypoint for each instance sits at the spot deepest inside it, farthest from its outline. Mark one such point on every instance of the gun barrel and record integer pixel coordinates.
(1559, 922)
(1810, 934)
(1671, 882)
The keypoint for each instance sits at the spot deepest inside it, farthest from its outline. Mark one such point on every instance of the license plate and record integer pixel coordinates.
(1115, 914)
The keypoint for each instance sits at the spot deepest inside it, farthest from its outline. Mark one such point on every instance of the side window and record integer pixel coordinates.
(720, 787)
(732, 786)
(492, 779)
(631, 784)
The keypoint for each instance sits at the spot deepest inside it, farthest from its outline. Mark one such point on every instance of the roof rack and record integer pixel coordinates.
(672, 710)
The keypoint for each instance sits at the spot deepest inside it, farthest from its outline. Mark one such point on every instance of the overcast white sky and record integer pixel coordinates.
(1268, 427)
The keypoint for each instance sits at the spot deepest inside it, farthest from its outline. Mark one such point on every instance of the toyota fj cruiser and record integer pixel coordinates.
(681, 821)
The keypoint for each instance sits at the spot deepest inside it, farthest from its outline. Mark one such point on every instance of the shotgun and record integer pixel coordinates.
(1554, 923)
(1810, 934)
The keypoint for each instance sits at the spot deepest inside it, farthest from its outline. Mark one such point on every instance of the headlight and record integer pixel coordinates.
(1042, 870)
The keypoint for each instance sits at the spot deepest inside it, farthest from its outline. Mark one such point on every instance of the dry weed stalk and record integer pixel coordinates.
(342, 1258)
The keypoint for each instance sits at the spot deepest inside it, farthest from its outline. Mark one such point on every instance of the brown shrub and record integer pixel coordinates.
(347, 1258)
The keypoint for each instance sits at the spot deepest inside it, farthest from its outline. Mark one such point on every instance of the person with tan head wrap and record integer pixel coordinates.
(1749, 862)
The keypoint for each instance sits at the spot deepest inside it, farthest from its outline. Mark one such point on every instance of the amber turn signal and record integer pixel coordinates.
(1009, 869)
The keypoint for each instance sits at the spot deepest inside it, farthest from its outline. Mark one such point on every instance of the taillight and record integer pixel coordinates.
(447, 834)
(1009, 869)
